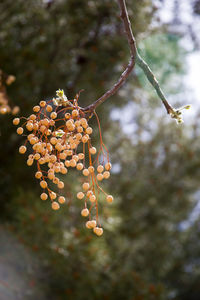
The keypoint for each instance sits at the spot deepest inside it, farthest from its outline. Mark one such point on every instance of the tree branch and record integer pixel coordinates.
(129, 68)
(154, 82)
(135, 58)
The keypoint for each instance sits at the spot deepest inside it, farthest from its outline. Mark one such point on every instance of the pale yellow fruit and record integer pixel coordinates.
(85, 212)
(80, 195)
(55, 205)
(44, 196)
(109, 198)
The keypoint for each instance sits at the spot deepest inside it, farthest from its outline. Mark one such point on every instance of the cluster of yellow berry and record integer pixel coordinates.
(60, 137)
(5, 106)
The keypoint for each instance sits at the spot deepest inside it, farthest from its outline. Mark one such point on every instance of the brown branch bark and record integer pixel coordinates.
(135, 58)
(131, 64)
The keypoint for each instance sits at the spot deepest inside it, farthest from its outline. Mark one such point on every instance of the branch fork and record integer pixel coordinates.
(135, 58)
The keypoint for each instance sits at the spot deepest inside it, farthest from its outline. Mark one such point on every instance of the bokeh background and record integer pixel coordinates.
(151, 243)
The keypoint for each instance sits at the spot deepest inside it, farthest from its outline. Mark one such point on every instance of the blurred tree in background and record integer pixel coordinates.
(150, 249)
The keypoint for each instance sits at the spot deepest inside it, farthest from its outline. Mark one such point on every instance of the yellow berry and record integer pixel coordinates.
(42, 161)
(51, 175)
(83, 121)
(67, 151)
(43, 128)
(93, 223)
(58, 147)
(53, 140)
(85, 186)
(89, 193)
(63, 170)
(80, 129)
(33, 141)
(35, 126)
(20, 130)
(100, 177)
(79, 166)
(10, 79)
(51, 122)
(72, 163)
(52, 195)
(77, 123)
(32, 117)
(53, 115)
(78, 136)
(80, 195)
(73, 146)
(61, 199)
(74, 113)
(61, 185)
(42, 103)
(92, 198)
(38, 175)
(63, 155)
(56, 180)
(53, 158)
(29, 162)
(67, 115)
(69, 124)
(36, 108)
(90, 224)
(89, 130)
(15, 110)
(44, 196)
(85, 138)
(30, 136)
(67, 163)
(108, 166)
(100, 169)
(4, 110)
(29, 126)
(43, 184)
(57, 169)
(106, 174)
(93, 150)
(85, 125)
(55, 205)
(48, 132)
(91, 169)
(98, 231)
(49, 108)
(86, 172)
(49, 147)
(71, 128)
(85, 212)
(81, 155)
(75, 157)
(37, 156)
(16, 121)
(45, 122)
(109, 198)
(22, 149)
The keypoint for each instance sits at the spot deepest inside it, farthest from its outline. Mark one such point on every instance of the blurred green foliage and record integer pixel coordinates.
(146, 252)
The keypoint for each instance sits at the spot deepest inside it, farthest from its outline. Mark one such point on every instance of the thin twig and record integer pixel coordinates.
(154, 82)
(129, 68)
(135, 58)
